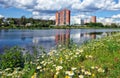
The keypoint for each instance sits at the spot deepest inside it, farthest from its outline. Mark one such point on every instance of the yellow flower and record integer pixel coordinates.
(34, 76)
(61, 60)
(67, 77)
(93, 75)
(55, 76)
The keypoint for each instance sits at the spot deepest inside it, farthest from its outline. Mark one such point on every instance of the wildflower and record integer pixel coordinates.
(73, 68)
(93, 75)
(59, 68)
(77, 53)
(43, 56)
(81, 76)
(67, 77)
(34, 76)
(82, 66)
(1, 72)
(54, 65)
(59, 45)
(9, 75)
(42, 62)
(100, 70)
(57, 72)
(15, 72)
(89, 56)
(31, 62)
(41, 70)
(50, 53)
(81, 50)
(55, 76)
(67, 57)
(96, 67)
(67, 72)
(92, 67)
(71, 73)
(87, 73)
(61, 60)
(37, 60)
(83, 70)
(7, 69)
(39, 67)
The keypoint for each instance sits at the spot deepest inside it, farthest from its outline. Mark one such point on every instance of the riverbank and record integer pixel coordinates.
(95, 59)
(60, 27)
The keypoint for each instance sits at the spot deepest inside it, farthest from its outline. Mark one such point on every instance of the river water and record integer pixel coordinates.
(48, 38)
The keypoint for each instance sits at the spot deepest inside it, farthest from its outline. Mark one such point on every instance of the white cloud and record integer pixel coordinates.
(116, 16)
(35, 13)
(1, 16)
(47, 8)
(77, 19)
(44, 17)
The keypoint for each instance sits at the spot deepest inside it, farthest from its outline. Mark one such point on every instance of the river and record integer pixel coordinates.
(48, 38)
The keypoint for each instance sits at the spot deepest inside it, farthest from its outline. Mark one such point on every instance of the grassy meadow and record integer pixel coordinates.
(98, 58)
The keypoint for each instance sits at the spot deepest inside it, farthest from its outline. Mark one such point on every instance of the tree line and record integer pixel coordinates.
(112, 25)
(25, 22)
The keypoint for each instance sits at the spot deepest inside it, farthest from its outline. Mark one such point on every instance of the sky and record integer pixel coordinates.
(105, 10)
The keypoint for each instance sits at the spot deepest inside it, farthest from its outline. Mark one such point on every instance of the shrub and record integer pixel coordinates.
(12, 58)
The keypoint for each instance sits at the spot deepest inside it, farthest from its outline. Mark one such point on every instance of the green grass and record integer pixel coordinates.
(96, 59)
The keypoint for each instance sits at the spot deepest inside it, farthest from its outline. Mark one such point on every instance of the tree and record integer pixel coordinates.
(114, 25)
(95, 24)
(23, 20)
(1, 21)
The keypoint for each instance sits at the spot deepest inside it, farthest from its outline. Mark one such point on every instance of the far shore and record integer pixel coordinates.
(58, 27)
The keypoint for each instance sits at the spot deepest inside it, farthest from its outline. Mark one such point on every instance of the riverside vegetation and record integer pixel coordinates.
(31, 23)
(99, 58)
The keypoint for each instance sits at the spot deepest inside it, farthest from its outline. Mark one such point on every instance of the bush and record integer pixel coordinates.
(12, 58)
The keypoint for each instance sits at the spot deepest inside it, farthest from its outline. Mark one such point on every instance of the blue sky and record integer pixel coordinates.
(45, 9)
(14, 12)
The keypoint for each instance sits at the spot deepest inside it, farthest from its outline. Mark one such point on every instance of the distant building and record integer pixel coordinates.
(82, 21)
(28, 24)
(63, 17)
(87, 20)
(93, 19)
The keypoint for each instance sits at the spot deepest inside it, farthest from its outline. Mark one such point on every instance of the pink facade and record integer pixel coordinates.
(93, 19)
(63, 17)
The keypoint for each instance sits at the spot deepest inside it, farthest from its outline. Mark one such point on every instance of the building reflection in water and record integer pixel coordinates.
(62, 37)
(95, 35)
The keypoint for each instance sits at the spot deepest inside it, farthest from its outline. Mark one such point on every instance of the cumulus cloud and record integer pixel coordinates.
(47, 8)
(77, 19)
(116, 16)
(1, 16)
(109, 20)
(105, 20)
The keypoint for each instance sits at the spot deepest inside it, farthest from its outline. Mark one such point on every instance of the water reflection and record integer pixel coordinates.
(62, 37)
(49, 38)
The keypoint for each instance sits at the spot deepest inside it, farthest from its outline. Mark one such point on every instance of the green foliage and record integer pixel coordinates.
(95, 24)
(24, 22)
(12, 58)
